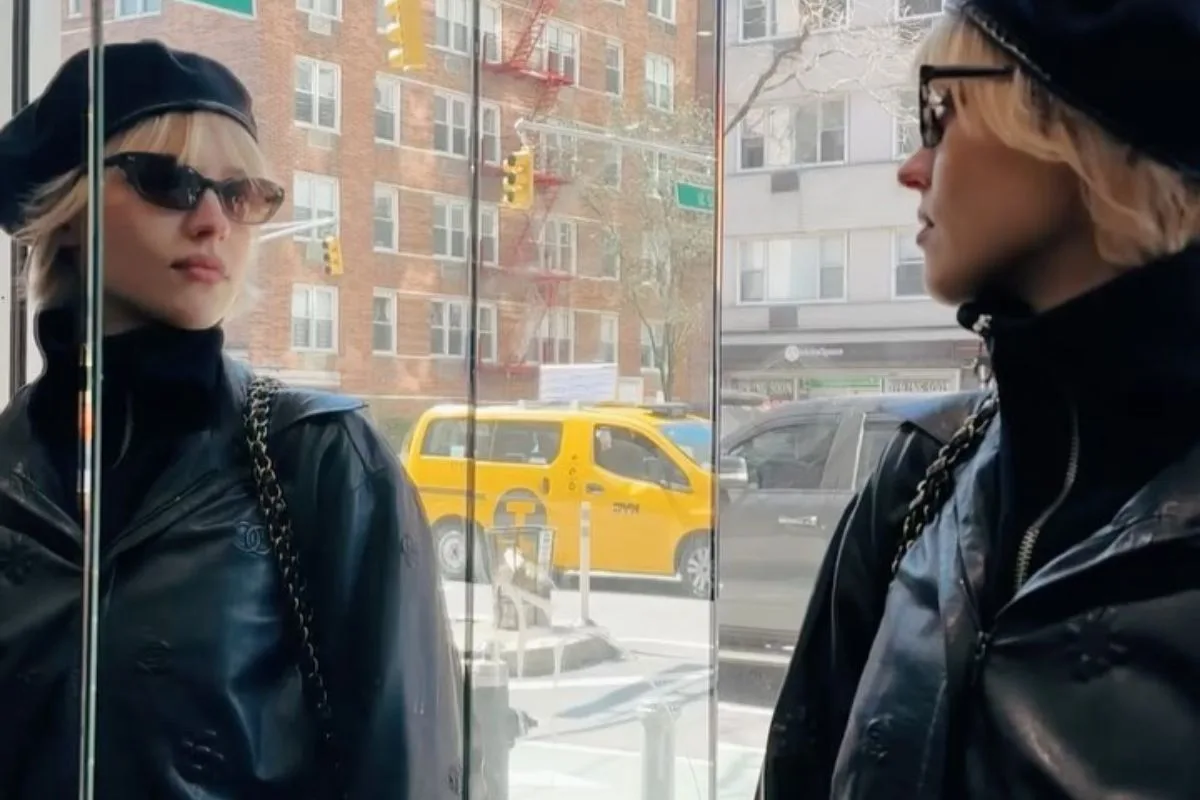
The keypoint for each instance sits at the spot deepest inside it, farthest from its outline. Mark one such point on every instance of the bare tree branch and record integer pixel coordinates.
(781, 55)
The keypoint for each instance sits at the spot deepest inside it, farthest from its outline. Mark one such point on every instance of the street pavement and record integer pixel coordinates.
(589, 733)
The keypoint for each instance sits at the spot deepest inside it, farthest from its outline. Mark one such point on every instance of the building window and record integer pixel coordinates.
(314, 318)
(557, 154)
(614, 67)
(554, 341)
(910, 266)
(383, 322)
(905, 128)
(558, 51)
(798, 270)
(652, 343)
(769, 19)
(317, 93)
(610, 170)
(450, 230)
(610, 258)
(814, 133)
(385, 228)
(660, 82)
(610, 325)
(75, 8)
(660, 170)
(387, 109)
(556, 245)
(450, 123)
(322, 8)
(452, 30)
(315, 197)
(448, 334)
(907, 9)
(132, 8)
(661, 9)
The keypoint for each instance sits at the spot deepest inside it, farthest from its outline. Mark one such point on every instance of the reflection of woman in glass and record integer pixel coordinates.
(203, 688)
(1028, 628)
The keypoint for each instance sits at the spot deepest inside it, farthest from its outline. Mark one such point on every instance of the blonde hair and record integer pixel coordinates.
(55, 205)
(1140, 209)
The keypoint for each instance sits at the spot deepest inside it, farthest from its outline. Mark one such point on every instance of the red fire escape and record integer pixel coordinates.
(528, 62)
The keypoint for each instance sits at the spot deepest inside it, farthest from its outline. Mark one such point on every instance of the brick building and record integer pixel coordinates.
(384, 153)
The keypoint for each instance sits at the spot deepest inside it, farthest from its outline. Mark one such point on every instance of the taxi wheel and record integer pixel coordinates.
(450, 544)
(694, 565)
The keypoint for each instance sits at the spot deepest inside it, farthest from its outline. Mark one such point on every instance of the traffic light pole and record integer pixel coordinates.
(524, 126)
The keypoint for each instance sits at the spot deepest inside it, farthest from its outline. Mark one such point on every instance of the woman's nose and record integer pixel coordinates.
(916, 170)
(208, 218)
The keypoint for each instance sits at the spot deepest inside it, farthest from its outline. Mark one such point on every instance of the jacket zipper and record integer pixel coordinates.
(1030, 538)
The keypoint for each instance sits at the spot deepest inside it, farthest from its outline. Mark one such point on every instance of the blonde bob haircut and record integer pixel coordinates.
(1140, 209)
(53, 267)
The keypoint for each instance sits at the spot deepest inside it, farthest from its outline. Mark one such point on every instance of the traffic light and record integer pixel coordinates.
(404, 31)
(333, 255)
(518, 179)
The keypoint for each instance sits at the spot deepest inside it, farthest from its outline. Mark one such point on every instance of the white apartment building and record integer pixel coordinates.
(823, 290)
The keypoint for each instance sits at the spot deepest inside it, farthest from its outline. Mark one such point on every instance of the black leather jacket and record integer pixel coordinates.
(199, 683)
(959, 680)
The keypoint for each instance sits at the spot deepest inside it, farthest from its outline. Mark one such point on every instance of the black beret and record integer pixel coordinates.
(1131, 65)
(143, 79)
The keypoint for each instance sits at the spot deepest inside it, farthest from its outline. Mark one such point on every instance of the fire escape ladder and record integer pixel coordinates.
(539, 12)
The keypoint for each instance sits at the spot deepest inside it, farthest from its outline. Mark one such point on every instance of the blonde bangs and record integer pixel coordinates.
(1141, 209)
(60, 202)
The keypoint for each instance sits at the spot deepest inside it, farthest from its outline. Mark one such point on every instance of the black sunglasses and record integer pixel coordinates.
(160, 179)
(934, 105)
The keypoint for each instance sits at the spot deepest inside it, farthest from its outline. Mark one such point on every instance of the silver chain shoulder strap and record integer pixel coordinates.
(934, 489)
(257, 417)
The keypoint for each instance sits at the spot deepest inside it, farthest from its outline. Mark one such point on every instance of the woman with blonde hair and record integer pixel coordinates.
(1008, 609)
(239, 655)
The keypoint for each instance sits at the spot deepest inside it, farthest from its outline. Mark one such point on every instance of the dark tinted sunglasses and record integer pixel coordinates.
(160, 179)
(934, 105)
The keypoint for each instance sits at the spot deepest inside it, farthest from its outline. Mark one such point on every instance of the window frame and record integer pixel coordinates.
(446, 302)
(771, 23)
(313, 289)
(485, 136)
(315, 65)
(393, 196)
(393, 299)
(387, 85)
(317, 12)
(766, 243)
(897, 262)
(767, 117)
(662, 60)
(312, 234)
(618, 47)
(489, 228)
(654, 10)
(118, 15)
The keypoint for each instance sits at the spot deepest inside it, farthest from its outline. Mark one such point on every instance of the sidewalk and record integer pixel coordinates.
(552, 771)
(546, 651)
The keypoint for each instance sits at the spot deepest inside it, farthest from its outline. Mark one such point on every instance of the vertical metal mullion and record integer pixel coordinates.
(90, 405)
(18, 320)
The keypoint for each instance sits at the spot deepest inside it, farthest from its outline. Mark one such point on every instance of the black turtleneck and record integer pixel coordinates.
(159, 384)
(1124, 361)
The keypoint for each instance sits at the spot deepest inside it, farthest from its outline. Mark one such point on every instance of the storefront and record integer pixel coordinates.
(794, 372)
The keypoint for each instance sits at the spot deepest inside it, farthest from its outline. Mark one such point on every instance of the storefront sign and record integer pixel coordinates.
(918, 385)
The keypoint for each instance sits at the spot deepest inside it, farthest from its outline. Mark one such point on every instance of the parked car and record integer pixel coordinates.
(803, 463)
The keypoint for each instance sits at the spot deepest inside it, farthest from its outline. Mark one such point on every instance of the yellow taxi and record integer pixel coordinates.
(642, 471)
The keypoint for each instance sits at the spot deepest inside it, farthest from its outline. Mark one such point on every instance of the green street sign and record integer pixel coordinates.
(697, 198)
(244, 7)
